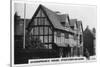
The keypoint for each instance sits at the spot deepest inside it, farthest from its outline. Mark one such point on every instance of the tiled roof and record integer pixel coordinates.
(54, 18)
(72, 22)
(75, 21)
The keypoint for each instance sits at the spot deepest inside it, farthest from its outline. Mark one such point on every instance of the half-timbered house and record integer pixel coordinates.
(56, 31)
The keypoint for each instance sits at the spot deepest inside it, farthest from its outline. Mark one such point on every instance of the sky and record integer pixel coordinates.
(86, 13)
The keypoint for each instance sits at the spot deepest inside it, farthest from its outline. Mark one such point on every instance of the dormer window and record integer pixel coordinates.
(63, 24)
(72, 27)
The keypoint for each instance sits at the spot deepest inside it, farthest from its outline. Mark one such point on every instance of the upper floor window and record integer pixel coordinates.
(80, 38)
(66, 35)
(75, 37)
(58, 34)
(63, 24)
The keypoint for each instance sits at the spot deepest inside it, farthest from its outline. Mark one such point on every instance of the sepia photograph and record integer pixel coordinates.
(53, 32)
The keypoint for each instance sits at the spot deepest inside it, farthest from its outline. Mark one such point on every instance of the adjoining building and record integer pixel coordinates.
(89, 41)
(56, 31)
(19, 30)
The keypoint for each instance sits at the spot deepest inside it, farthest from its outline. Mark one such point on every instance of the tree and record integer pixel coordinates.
(33, 42)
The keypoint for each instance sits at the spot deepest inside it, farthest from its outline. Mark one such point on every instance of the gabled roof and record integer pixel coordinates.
(79, 23)
(54, 18)
(87, 31)
(72, 22)
(63, 17)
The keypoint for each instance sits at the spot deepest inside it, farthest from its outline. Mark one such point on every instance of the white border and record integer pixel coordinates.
(12, 35)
